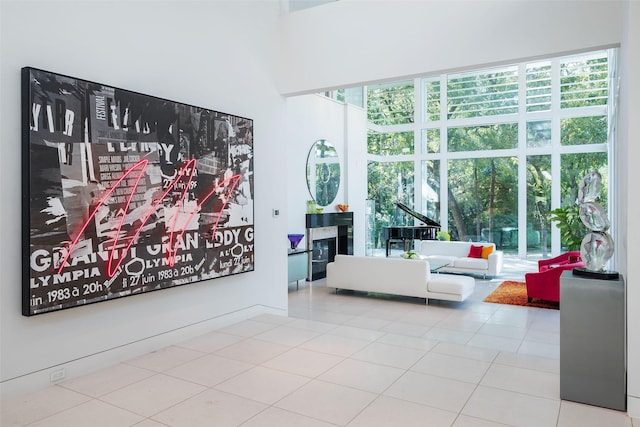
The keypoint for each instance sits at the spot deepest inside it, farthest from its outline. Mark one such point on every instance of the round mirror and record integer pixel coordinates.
(323, 172)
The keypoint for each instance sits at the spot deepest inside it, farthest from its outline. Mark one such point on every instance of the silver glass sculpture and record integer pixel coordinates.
(597, 246)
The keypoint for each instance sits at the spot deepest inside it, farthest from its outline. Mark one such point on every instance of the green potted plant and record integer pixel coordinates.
(443, 236)
(572, 230)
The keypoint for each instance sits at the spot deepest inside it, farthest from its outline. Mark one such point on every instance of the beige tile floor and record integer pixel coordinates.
(343, 359)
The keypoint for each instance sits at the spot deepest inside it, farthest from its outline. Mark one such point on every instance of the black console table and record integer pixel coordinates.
(328, 234)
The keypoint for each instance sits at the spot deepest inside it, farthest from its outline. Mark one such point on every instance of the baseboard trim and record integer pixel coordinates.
(38, 380)
(633, 406)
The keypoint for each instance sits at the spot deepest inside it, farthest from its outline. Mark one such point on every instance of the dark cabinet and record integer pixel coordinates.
(328, 234)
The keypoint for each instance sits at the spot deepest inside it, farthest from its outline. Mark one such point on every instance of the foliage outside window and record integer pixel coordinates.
(390, 104)
(388, 183)
(483, 200)
(539, 134)
(584, 82)
(486, 137)
(483, 94)
(431, 141)
(574, 167)
(583, 130)
(538, 77)
(432, 99)
(431, 189)
(390, 143)
(484, 113)
(539, 203)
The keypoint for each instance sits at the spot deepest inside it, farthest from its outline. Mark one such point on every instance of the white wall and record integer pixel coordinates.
(349, 42)
(211, 54)
(310, 118)
(630, 215)
(313, 117)
(356, 160)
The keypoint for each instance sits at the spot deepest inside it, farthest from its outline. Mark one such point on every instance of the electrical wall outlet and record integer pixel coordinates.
(58, 375)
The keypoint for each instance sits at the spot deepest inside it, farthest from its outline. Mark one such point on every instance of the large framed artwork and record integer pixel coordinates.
(125, 193)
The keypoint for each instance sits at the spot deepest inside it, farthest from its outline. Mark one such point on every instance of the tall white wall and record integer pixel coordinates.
(629, 158)
(356, 180)
(350, 42)
(314, 117)
(217, 55)
(310, 118)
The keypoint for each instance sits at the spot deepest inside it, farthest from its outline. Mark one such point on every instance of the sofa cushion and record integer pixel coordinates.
(475, 251)
(451, 284)
(486, 251)
(472, 263)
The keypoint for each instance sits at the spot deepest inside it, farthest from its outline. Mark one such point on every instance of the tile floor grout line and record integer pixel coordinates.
(413, 314)
(476, 388)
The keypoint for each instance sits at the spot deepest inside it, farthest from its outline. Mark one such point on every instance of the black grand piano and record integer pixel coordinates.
(408, 233)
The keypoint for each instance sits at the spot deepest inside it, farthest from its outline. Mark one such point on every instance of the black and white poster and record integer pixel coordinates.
(125, 193)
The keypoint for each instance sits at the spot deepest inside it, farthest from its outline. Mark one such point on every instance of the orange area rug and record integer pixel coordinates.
(515, 293)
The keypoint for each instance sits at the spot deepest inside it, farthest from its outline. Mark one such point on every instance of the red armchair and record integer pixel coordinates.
(545, 284)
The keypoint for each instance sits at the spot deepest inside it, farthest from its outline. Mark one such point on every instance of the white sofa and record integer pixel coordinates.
(454, 257)
(396, 276)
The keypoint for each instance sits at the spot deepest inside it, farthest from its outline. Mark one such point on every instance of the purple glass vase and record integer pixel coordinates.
(294, 239)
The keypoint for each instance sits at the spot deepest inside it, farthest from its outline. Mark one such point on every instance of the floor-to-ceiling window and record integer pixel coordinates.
(490, 153)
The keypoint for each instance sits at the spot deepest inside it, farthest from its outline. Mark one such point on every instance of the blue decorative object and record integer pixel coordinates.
(295, 240)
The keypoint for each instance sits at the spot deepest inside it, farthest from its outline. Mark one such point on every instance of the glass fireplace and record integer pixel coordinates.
(327, 235)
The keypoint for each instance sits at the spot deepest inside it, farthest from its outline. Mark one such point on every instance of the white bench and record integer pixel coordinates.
(396, 276)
